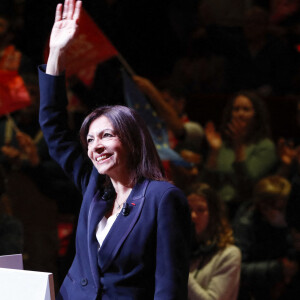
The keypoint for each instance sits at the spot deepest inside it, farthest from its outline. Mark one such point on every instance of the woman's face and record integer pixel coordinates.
(199, 213)
(105, 149)
(243, 110)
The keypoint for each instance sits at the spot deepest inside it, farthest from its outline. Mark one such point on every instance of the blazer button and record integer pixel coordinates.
(84, 282)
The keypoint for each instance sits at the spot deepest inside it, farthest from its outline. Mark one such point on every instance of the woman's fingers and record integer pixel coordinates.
(77, 11)
(70, 9)
(66, 10)
(58, 12)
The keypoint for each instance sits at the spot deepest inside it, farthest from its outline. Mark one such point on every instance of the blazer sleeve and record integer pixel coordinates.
(63, 145)
(173, 245)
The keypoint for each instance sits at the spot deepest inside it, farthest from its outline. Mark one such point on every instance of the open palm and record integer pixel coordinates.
(213, 137)
(66, 24)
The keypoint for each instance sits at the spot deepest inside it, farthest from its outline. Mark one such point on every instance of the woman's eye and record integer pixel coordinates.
(89, 140)
(106, 134)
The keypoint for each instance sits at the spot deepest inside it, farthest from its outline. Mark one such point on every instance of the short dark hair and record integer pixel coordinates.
(261, 125)
(143, 159)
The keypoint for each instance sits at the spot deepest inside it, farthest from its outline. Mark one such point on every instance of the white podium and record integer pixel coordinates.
(18, 284)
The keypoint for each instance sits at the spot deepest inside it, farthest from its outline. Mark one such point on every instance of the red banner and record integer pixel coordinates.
(13, 92)
(90, 48)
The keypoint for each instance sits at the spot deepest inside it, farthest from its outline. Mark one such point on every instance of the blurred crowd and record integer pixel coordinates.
(228, 58)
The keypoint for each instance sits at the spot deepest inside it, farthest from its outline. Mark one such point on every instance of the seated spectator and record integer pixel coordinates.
(242, 152)
(262, 234)
(216, 262)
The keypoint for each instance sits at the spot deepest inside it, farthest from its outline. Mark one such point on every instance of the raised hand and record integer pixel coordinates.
(28, 147)
(286, 151)
(27, 150)
(212, 136)
(63, 33)
(65, 24)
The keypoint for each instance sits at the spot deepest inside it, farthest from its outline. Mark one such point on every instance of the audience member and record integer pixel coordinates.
(216, 262)
(261, 232)
(242, 152)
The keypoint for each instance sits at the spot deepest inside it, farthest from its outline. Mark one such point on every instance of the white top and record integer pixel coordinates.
(103, 228)
(219, 279)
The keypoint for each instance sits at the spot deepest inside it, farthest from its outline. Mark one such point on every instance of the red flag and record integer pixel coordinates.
(90, 48)
(13, 92)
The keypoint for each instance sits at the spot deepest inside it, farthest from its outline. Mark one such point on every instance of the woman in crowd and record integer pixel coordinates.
(133, 230)
(242, 152)
(216, 262)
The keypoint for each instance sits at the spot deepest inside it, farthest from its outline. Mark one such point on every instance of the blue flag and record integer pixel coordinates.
(137, 100)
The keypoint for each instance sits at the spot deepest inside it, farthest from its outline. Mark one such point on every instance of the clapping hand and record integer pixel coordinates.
(212, 136)
(237, 131)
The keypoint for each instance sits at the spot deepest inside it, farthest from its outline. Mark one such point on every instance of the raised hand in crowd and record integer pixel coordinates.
(190, 156)
(286, 151)
(289, 156)
(215, 142)
(213, 137)
(27, 151)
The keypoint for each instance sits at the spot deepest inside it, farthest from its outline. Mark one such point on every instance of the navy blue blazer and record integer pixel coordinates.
(146, 253)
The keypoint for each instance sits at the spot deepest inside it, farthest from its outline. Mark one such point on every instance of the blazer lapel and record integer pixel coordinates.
(122, 226)
(97, 210)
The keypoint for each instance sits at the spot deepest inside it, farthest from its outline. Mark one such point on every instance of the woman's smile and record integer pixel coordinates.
(102, 157)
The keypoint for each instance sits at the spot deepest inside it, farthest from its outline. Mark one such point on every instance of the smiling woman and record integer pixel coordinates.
(242, 151)
(125, 124)
(132, 238)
